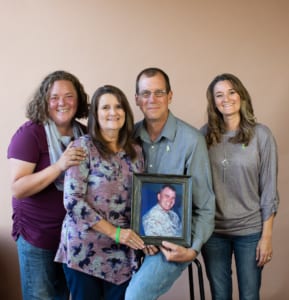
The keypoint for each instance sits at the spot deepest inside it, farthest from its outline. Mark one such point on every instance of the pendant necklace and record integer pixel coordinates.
(225, 162)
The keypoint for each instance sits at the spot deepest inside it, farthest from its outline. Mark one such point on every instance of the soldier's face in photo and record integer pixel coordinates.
(167, 198)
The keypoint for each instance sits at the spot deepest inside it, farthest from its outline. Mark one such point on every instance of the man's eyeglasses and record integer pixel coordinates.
(157, 93)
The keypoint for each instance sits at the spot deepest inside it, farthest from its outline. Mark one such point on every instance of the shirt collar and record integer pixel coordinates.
(168, 131)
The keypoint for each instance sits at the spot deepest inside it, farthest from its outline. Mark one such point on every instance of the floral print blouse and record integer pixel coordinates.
(98, 189)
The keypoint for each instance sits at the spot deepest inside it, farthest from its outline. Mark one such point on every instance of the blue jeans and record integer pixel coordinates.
(154, 278)
(41, 277)
(217, 254)
(86, 287)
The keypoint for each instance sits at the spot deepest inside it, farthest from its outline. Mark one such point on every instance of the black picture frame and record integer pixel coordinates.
(145, 190)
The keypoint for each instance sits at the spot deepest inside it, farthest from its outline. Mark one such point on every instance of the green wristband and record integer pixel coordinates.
(117, 235)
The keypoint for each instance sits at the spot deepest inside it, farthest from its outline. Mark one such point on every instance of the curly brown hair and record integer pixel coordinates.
(216, 125)
(125, 139)
(37, 108)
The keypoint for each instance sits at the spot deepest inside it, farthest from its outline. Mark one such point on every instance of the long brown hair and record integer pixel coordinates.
(216, 125)
(125, 139)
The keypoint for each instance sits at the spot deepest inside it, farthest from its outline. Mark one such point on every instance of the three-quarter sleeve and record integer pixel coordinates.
(269, 198)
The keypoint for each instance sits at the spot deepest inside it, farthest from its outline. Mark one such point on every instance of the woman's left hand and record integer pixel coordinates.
(264, 251)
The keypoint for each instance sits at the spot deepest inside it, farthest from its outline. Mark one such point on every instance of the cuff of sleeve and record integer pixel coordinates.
(197, 245)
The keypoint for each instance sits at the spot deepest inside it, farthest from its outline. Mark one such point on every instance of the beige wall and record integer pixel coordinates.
(111, 41)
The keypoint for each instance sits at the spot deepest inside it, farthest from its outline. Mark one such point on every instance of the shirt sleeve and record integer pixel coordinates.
(75, 192)
(151, 224)
(203, 209)
(25, 143)
(269, 198)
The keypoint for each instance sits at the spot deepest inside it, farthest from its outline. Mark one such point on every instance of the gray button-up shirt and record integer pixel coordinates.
(181, 150)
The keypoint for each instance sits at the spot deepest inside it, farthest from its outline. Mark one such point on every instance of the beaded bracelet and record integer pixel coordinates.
(117, 235)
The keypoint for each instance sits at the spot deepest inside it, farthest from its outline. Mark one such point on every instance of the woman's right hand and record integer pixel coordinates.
(72, 156)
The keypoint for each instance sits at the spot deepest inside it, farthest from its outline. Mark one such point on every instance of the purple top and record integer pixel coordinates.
(98, 189)
(37, 218)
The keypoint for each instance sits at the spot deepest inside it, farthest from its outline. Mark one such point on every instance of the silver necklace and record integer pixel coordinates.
(225, 162)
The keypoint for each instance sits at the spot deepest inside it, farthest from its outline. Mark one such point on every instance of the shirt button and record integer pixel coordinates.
(150, 166)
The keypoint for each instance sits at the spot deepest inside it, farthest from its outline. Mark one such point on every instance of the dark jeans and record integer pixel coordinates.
(86, 287)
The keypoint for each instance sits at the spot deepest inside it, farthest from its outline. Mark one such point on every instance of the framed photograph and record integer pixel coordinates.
(162, 208)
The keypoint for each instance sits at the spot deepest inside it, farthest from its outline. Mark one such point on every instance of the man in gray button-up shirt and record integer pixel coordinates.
(170, 146)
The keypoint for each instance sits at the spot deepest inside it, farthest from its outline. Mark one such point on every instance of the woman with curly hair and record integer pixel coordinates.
(39, 153)
(243, 157)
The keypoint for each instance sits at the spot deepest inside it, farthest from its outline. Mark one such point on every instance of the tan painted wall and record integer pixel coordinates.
(111, 41)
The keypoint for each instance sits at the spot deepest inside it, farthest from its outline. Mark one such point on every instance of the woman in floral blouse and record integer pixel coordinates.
(97, 246)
